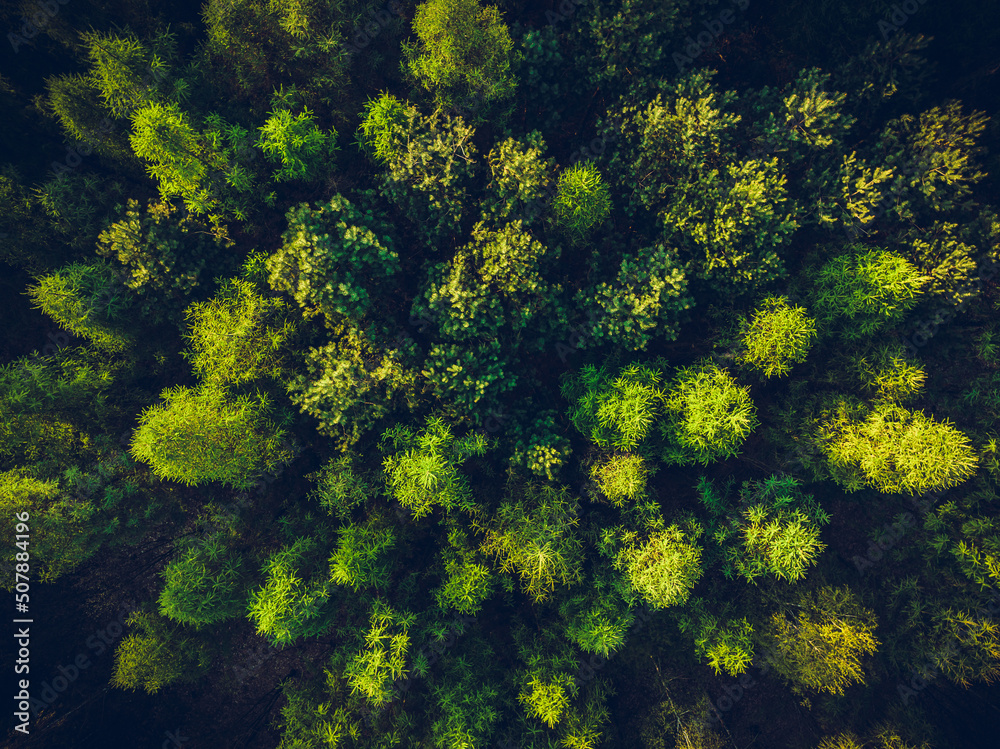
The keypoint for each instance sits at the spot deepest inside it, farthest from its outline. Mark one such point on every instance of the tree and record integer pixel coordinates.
(777, 337)
(202, 167)
(421, 468)
(128, 73)
(802, 119)
(341, 486)
(360, 557)
(50, 405)
(464, 55)
(621, 478)
(384, 125)
(866, 290)
(469, 378)
(895, 450)
(533, 534)
(521, 178)
(821, 647)
(467, 580)
(777, 532)
(157, 655)
(75, 101)
(382, 660)
(935, 158)
(205, 584)
(731, 222)
(726, 645)
(165, 253)
(353, 382)
(333, 258)
(429, 172)
(614, 412)
(238, 335)
(647, 298)
(583, 200)
(297, 144)
(89, 300)
(492, 287)
(597, 618)
(293, 602)
(200, 435)
(708, 416)
(662, 568)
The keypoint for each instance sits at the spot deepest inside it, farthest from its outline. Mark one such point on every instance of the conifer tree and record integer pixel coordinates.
(820, 645)
(199, 435)
(708, 415)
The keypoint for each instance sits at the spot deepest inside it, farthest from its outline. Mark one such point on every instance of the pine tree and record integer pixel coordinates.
(820, 646)
(200, 435)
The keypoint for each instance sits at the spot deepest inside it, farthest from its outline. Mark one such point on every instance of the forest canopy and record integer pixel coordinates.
(469, 374)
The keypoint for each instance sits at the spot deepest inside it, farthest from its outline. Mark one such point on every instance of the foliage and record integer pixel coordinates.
(199, 435)
(204, 585)
(521, 177)
(89, 300)
(647, 298)
(328, 256)
(662, 568)
(238, 335)
(293, 601)
(464, 56)
(468, 581)
(895, 450)
(165, 253)
(777, 533)
(421, 468)
(297, 144)
(429, 178)
(469, 378)
(360, 557)
(382, 660)
(533, 534)
(821, 647)
(866, 291)
(383, 128)
(546, 700)
(583, 200)
(50, 404)
(777, 337)
(614, 412)
(708, 416)
(492, 287)
(157, 654)
(352, 382)
(200, 166)
(597, 618)
(724, 645)
(341, 486)
(621, 478)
